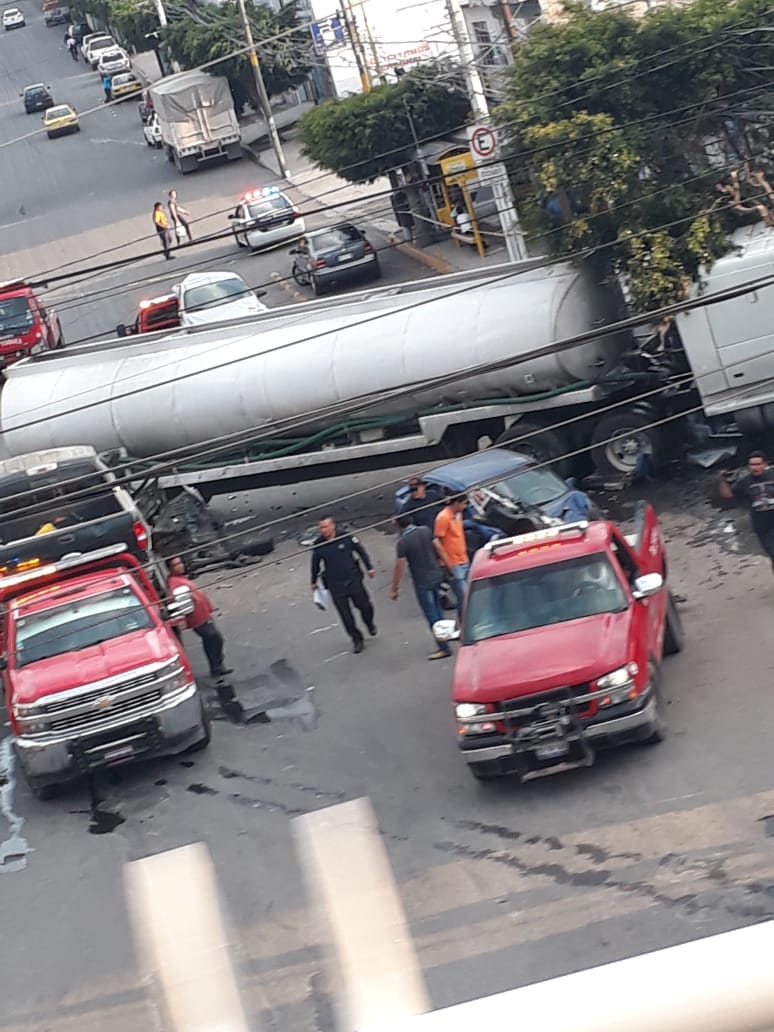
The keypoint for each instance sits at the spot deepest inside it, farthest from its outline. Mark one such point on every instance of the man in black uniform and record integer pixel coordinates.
(342, 575)
(756, 489)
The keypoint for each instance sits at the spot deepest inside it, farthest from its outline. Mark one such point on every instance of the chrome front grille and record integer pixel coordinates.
(90, 697)
(118, 708)
(543, 705)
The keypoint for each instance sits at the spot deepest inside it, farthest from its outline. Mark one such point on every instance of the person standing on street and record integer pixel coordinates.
(450, 542)
(107, 87)
(161, 224)
(756, 489)
(342, 560)
(419, 505)
(200, 620)
(177, 213)
(417, 548)
(72, 46)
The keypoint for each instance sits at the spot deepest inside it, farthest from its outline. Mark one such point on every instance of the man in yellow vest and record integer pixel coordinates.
(161, 222)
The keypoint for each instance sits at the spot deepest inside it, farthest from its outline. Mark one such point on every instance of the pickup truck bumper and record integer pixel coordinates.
(496, 755)
(171, 729)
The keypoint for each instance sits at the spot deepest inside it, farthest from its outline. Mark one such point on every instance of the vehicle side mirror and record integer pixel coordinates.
(260, 293)
(647, 585)
(182, 603)
(294, 250)
(232, 216)
(446, 630)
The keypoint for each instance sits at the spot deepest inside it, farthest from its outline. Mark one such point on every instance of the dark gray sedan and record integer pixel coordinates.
(334, 255)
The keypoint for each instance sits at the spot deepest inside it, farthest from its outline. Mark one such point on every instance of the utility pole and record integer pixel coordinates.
(357, 45)
(426, 230)
(263, 96)
(371, 43)
(159, 4)
(494, 174)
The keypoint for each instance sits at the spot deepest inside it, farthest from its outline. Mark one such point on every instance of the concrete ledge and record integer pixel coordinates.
(431, 261)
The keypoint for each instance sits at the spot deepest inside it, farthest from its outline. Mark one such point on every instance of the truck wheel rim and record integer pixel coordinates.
(625, 449)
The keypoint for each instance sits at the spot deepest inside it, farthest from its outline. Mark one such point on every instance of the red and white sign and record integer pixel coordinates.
(483, 143)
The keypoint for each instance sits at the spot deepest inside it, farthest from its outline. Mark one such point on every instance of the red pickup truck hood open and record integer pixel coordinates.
(109, 659)
(514, 665)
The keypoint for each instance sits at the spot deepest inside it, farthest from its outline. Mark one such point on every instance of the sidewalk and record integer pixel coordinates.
(369, 202)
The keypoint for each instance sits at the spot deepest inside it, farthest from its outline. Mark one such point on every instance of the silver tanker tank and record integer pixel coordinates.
(189, 388)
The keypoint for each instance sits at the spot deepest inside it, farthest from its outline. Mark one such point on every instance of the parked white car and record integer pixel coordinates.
(210, 297)
(152, 131)
(96, 48)
(13, 19)
(89, 38)
(112, 62)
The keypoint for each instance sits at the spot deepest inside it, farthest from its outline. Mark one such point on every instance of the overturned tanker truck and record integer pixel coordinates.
(410, 373)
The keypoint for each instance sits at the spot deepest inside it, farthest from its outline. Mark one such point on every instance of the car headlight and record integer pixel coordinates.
(178, 678)
(466, 713)
(619, 683)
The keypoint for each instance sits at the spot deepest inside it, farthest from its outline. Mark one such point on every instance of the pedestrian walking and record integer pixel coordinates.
(419, 505)
(178, 215)
(161, 225)
(106, 86)
(450, 540)
(755, 489)
(341, 560)
(72, 46)
(417, 548)
(200, 620)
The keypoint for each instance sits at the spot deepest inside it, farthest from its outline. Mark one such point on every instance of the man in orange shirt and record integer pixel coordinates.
(450, 543)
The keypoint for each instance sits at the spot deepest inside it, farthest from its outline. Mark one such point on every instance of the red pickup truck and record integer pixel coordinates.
(562, 638)
(93, 674)
(154, 313)
(27, 327)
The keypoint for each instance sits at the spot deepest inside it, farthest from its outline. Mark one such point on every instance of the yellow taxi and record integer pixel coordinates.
(124, 86)
(61, 119)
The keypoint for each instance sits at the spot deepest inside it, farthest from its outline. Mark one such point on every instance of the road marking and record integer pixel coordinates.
(348, 873)
(178, 929)
(20, 222)
(130, 143)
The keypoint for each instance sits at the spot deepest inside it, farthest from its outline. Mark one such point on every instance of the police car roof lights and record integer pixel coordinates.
(535, 537)
(266, 191)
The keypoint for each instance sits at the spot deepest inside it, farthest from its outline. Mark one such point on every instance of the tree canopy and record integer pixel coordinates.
(367, 135)
(200, 32)
(642, 141)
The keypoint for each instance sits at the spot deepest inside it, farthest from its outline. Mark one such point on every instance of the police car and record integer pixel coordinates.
(266, 218)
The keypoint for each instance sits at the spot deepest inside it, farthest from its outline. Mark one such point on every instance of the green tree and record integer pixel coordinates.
(623, 135)
(368, 135)
(201, 32)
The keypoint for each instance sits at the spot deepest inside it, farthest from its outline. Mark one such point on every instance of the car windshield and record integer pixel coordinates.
(532, 487)
(102, 44)
(124, 80)
(36, 91)
(331, 239)
(15, 316)
(267, 206)
(542, 595)
(78, 625)
(57, 112)
(209, 294)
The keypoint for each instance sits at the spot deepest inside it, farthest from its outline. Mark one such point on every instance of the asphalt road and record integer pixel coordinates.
(85, 200)
(503, 885)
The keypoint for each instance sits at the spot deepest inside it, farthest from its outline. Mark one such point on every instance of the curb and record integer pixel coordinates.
(439, 265)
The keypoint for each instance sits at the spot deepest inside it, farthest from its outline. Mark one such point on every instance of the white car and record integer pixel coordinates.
(266, 218)
(96, 48)
(152, 131)
(112, 62)
(210, 297)
(89, 38)
(13, 19)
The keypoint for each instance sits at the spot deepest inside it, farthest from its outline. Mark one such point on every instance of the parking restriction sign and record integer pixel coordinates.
(483, 143)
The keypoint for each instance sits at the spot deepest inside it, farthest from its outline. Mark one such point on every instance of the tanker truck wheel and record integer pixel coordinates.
(542, 445)
(624, 442)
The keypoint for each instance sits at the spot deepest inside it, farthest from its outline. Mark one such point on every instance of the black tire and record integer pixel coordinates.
(238, 242)
(377, 270)
(621, 439)
(317, 287)
(60, 342)
(204, 741)
(674, 636)
(658, 729)
(301, 277)
(544, 446)
(170, 156)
